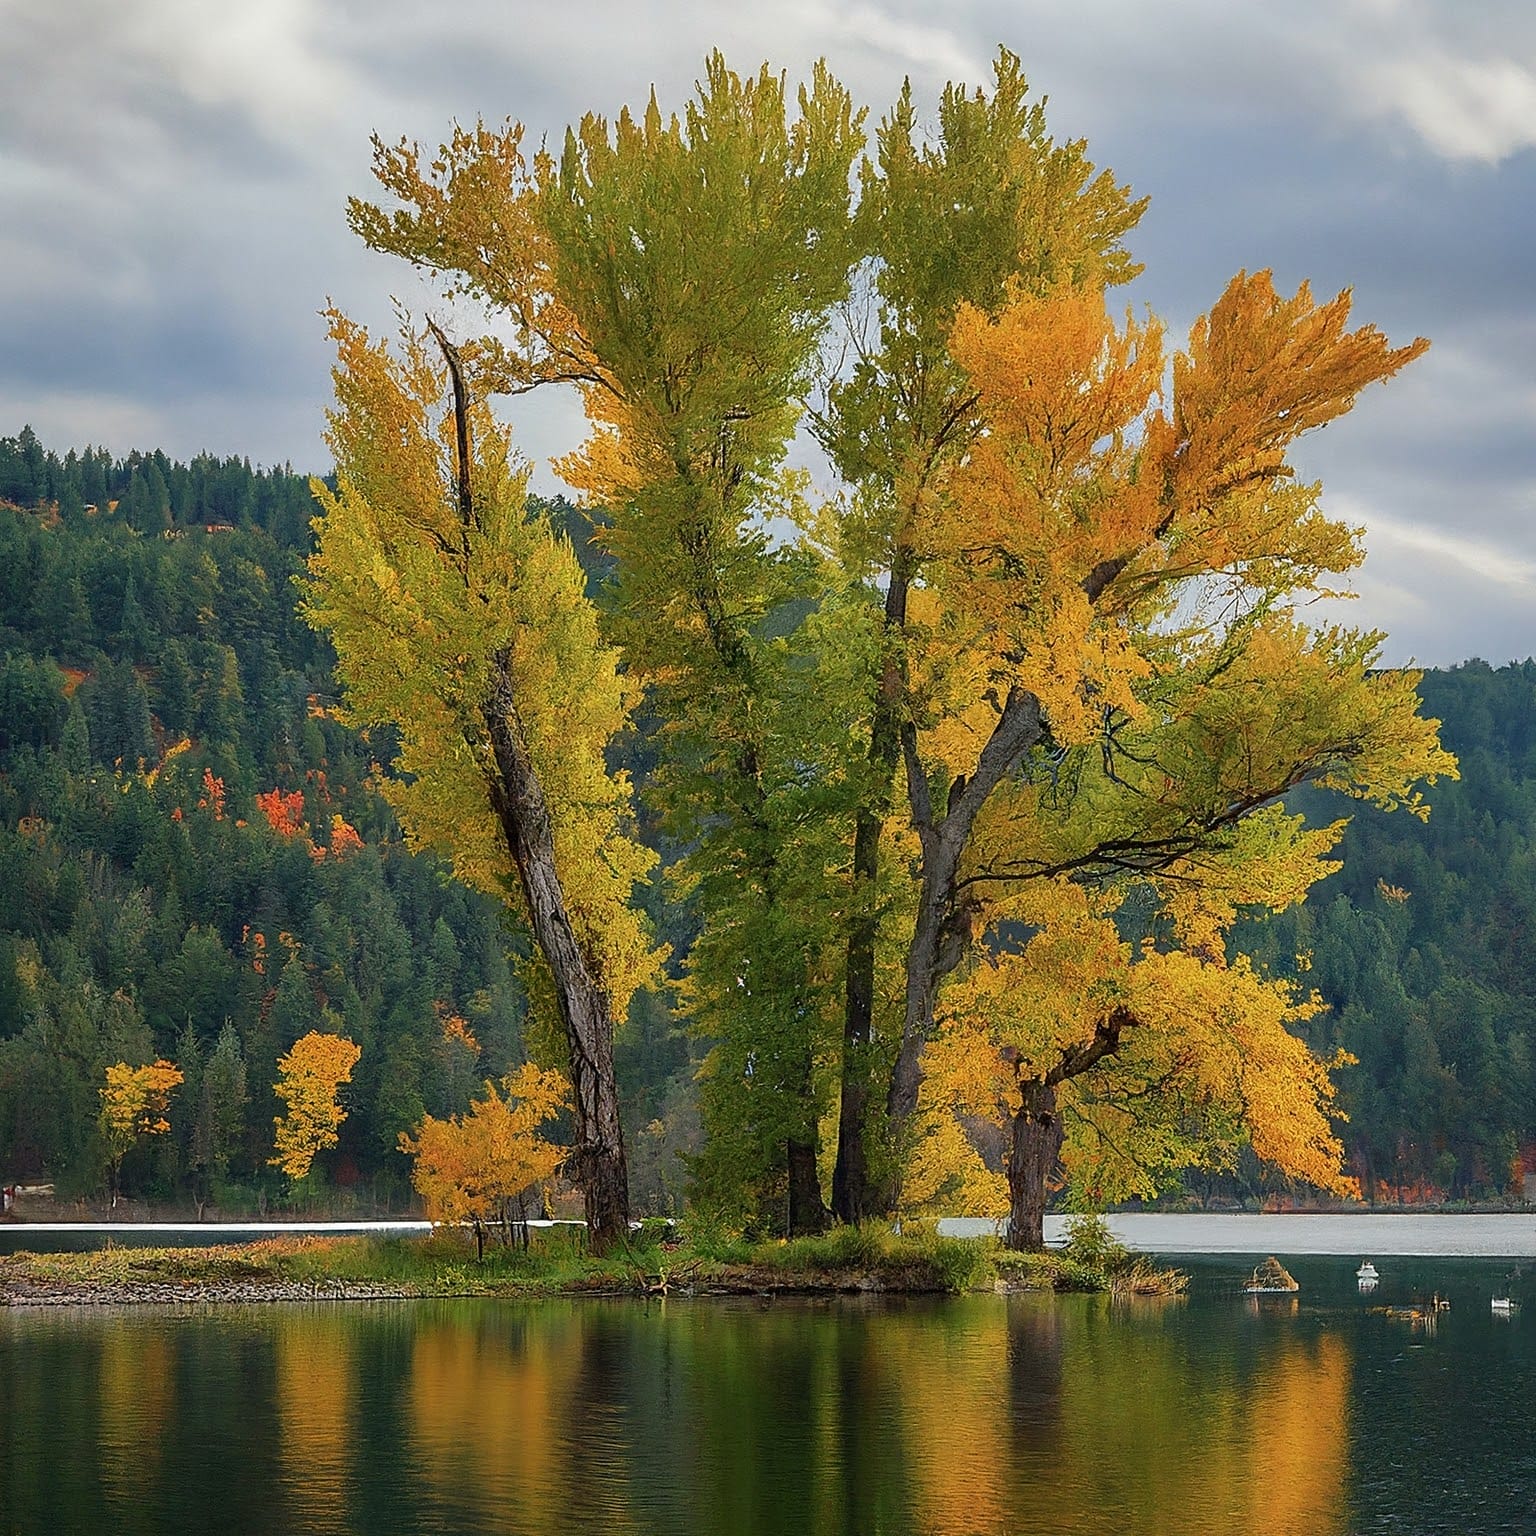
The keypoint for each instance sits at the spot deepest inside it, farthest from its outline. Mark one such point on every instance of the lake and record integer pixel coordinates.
(1308, 1416)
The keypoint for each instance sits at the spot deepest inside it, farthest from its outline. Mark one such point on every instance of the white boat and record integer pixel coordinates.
(1367, 1274)
(1504, 1304)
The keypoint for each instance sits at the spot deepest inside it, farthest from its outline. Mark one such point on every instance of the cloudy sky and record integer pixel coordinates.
(173, 175)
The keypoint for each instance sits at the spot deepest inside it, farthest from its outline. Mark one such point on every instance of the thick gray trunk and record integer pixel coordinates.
(1038, 1129)
(1033, 1156)
(597, 1164)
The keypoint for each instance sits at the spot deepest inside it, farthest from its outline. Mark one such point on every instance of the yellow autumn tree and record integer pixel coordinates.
(135, 1104)
(309, 1081)
(460, 617)
(678, 269)
(1110, 688)
(469, 1168)
(1067, 570)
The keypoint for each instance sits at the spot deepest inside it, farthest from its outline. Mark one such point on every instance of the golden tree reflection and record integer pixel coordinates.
(315, 1364)
(1298, 1434)
(136, 1392)
(496, 1415)
(1040, 1409)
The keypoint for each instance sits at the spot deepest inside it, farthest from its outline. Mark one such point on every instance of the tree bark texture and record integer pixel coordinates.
(1033, 1156)
(1038, 1129)
(597, 1163)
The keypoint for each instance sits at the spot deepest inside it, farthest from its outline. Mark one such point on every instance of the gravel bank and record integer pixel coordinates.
(46, 1293)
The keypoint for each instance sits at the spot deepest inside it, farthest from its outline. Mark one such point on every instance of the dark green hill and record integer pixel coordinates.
(178, 876)
(1424, 945)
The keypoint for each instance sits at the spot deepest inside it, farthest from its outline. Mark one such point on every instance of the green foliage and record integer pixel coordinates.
(143, 915)
(1091, 1243)
(910, 1260)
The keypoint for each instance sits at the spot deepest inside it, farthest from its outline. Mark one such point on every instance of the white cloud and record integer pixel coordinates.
(1463, 108)
(1491, 562)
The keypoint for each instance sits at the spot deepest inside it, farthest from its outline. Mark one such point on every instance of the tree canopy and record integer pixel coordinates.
(969, 758)
(1037, 559)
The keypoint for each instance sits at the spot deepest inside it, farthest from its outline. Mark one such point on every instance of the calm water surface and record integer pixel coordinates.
(987, 1414)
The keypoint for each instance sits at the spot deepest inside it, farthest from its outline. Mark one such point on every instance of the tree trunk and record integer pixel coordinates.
(856, 1192)
(1032, 1161)
(807, 1212)
(853, 1194)
(941, 934)
(596, 1164)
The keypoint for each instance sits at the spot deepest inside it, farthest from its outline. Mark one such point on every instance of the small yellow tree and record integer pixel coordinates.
(469, 1167)
(309, 1077)
(135, 1103)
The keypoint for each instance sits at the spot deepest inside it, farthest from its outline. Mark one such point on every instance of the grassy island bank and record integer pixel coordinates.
(848, 1261)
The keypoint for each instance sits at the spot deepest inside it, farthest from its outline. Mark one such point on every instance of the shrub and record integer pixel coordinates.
(1091, 1244)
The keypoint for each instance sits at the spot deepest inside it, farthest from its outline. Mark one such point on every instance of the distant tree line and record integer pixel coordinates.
(195, 867)
(1423, 945)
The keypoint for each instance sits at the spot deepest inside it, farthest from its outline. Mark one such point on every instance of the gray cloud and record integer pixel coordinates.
(173, 174)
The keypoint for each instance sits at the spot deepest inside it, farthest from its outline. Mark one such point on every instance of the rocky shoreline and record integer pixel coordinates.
(129, 1293)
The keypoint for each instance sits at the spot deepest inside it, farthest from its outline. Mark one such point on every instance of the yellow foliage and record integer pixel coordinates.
(1133, 563)
(309, 1078)
(468, 1166)
(1205, 1056)
(135, 1102)
(417, 605)
(1086, 512)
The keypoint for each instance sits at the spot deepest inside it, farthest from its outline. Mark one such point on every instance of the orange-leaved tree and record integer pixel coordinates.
(1108, 689)
(472, 1167)
(135, 1103)
(309, 1081)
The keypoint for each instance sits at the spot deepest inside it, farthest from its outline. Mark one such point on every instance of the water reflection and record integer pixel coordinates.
(136, 1398)
(315, 1387)
(983, 1415)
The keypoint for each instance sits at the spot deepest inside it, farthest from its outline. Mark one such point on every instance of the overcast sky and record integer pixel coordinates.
(173, 175)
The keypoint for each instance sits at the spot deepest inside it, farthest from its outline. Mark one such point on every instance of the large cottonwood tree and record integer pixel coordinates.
(1035, 564)
(1108, 681)
(988, 204)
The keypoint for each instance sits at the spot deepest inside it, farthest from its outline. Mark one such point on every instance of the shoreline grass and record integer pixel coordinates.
(847, 1260)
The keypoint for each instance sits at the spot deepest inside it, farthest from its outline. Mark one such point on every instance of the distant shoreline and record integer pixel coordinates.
(1398, 1233)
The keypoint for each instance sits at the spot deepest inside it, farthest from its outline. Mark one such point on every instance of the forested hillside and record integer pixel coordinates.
(1424, 945)
(193, 866)
(192, 863)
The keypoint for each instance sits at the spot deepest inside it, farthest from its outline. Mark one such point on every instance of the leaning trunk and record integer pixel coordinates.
(1032, 1162)
(597, 1163)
